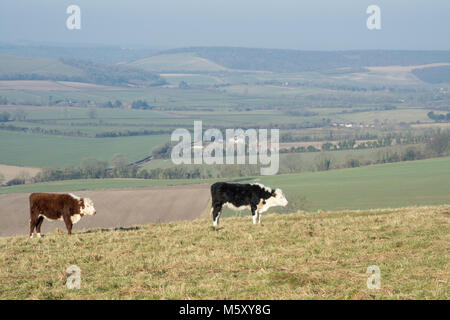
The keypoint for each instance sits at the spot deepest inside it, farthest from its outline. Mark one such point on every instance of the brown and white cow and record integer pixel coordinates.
(54, 206)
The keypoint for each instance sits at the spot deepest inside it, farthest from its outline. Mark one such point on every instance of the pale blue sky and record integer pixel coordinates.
(293, 24)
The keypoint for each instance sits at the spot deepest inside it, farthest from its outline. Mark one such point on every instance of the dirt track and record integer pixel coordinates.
(115, 208)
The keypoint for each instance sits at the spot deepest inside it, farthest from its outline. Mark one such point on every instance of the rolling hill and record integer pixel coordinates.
(281, 60)
(10, 65)
(72, 69)
(177, 62)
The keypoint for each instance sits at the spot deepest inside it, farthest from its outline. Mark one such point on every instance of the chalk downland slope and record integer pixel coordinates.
(177, 62)
(39, 66)
(293, 256)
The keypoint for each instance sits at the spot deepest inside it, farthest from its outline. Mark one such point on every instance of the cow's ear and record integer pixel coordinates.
(81, 203)
(273, 193)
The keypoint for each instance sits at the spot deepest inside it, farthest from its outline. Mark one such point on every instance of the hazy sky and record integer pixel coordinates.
(294, 24)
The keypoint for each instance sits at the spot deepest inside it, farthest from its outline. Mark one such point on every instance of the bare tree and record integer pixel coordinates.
(24, 175)
(20, 115)
(291, 163)
(92, 114)
(440, 143)
(323, 162)
(120, 164)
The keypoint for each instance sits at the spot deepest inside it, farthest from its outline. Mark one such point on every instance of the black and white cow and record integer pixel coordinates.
(255, 197)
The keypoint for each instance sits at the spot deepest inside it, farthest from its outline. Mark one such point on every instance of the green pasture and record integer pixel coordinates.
(409, 183)
(22, 149)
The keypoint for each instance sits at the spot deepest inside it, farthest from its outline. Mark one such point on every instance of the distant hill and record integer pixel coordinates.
(10, 65)
(177, 62)
(96, 53)
(139, 66)
(71, 69)
(279, 60)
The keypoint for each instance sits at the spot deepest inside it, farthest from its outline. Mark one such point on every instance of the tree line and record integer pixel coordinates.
(439, 117)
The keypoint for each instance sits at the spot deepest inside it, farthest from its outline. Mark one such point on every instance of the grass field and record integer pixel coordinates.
(378, 186)
(293, 256)
(423, 182)
(57, 151)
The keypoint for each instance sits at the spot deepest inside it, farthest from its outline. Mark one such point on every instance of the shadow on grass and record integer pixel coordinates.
(212, 228)
(134, 228)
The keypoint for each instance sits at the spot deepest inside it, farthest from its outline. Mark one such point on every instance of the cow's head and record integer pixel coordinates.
(87, 207)
(278, 198)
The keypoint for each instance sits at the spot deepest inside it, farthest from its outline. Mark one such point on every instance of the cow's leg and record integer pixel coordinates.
(217, 210)
(259, 210)
(254, 213)
(33, 222)
(68, 223)
(38, 226)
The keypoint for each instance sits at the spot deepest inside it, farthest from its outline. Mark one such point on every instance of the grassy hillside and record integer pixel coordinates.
(15, 64)
(294, 256)
(379, 186)
(187, 62)
(70, 69)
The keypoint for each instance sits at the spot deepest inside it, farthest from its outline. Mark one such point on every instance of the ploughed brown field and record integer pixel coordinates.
(115, 208)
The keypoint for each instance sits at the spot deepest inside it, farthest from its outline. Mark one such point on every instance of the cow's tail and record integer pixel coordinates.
(206, 209)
